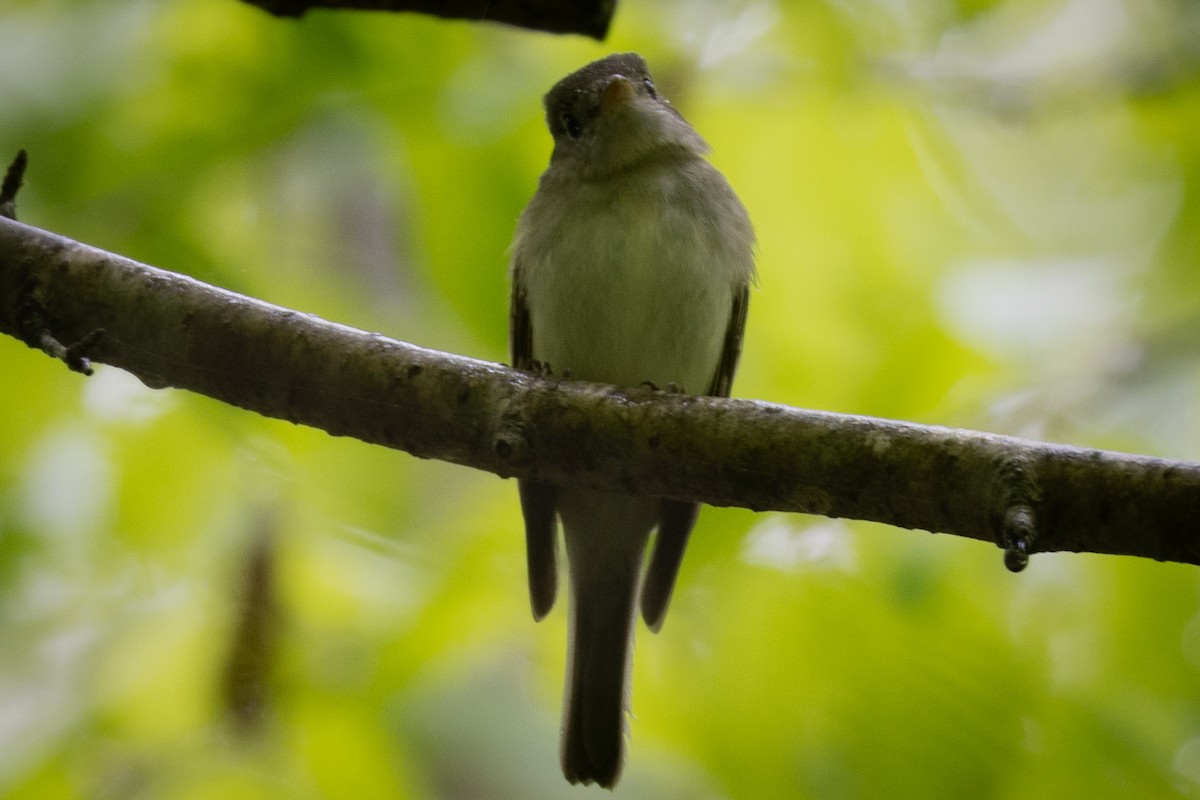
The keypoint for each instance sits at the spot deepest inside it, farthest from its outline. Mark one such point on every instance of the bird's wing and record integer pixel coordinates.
(677, 517)
(537, 499)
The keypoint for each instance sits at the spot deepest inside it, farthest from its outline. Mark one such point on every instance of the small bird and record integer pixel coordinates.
(631, 264)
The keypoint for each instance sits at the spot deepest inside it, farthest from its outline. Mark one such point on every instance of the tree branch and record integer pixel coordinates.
(589, 17)
(170, 330)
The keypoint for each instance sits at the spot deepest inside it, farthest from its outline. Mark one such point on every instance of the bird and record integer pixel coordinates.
(631, 265)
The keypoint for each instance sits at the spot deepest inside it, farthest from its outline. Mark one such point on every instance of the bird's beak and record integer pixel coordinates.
(618, 92)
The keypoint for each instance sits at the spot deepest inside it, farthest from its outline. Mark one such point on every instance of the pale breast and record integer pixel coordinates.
(632, 279)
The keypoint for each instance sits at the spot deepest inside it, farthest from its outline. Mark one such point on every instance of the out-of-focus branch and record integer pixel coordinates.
(173, 331)
(589, 17)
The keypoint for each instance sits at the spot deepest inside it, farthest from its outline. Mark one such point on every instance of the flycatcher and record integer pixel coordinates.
(631, 264)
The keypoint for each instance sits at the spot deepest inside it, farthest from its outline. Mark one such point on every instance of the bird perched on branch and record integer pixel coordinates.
(631, 264)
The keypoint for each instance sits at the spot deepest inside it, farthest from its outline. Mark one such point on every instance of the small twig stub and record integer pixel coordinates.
(13, 179)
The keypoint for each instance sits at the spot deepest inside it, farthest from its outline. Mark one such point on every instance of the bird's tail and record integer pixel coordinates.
(597, 685)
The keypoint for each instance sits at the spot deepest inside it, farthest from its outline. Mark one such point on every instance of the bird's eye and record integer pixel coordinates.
(571, 125)
(649, 84)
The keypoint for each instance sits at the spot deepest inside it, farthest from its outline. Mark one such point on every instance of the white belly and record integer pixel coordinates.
(632, 285)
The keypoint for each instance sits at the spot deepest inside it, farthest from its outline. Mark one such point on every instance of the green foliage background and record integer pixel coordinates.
(974, 213)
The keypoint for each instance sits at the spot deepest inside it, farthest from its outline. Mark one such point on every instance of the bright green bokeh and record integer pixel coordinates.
(980, 214)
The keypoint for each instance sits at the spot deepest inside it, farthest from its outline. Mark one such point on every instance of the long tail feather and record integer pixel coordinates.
(597, 694)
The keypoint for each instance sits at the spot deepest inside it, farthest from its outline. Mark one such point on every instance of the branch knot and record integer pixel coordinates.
(1015, 517)
(35, 331)
(511, 443)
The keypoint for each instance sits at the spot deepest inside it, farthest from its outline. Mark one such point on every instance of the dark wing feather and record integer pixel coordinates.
(677, 517)
(537, 499)
(723, 379)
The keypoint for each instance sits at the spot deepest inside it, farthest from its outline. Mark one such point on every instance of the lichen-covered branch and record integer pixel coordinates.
(173, 331)
(588, 17)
